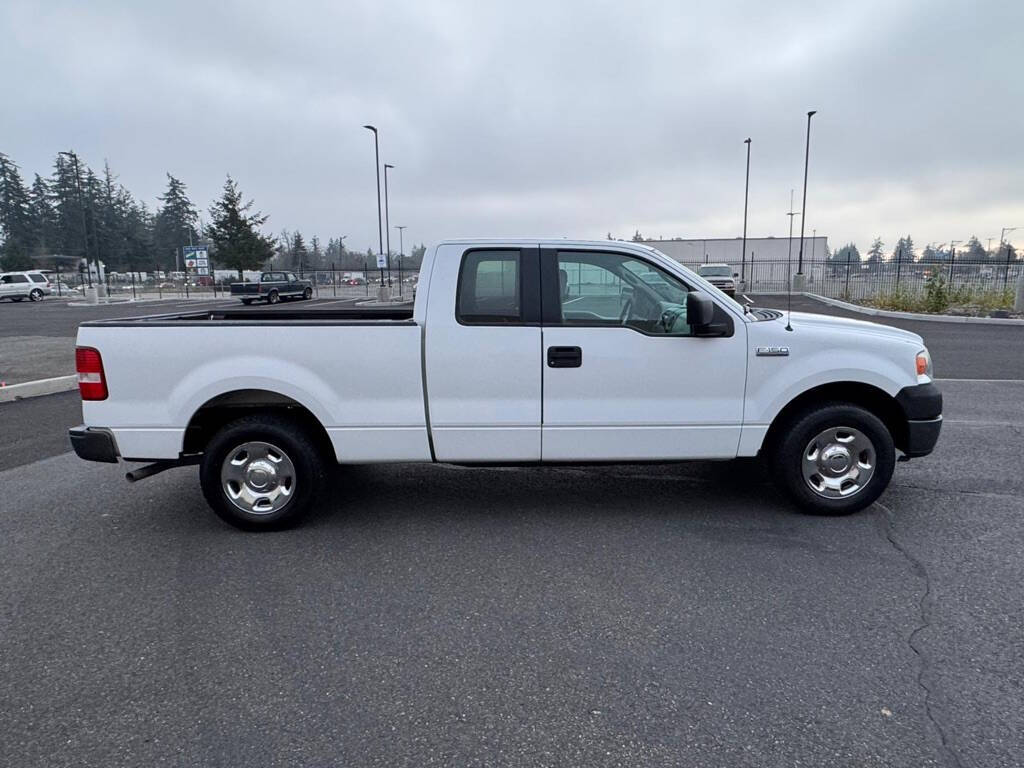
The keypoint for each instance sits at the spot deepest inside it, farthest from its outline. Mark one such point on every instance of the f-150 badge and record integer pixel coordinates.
(772, 351)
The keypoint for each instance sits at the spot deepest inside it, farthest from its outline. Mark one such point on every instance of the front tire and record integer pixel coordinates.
(262, 472)
(833, 459)
(247, 302)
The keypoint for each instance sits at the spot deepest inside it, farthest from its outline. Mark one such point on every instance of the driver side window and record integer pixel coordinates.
(618, 290)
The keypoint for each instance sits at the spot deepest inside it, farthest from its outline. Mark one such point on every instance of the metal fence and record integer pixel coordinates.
(855, 280)
(141, 285)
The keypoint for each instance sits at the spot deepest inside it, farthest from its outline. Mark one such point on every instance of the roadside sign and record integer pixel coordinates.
(382, 261)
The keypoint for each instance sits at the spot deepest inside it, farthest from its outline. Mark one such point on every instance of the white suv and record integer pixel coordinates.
(32, 285)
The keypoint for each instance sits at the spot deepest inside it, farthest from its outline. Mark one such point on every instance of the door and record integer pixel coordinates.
(625, 377)
(482, 354)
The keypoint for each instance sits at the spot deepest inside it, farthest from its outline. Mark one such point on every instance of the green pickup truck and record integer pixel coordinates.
(272, 288)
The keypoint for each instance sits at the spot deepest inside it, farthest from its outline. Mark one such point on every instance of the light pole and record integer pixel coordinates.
(803, 206)
(376, 162)
(746, 195)
(387, 223)
(85, 231)
(791, 214)
(401, 254)
(1002, 237)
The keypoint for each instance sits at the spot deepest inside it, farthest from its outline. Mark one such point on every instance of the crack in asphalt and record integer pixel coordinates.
(925, 611)
(956, 491)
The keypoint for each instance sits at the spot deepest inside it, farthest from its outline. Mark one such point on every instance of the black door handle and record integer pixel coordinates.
(565, 357)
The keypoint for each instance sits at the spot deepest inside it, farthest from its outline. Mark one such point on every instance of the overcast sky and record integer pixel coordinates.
(539, 118)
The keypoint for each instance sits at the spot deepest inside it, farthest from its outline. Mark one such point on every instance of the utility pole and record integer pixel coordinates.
(401, 255)
(791, 214)
(380, 233)
(803, 206)
(387, 222)
(746, 195)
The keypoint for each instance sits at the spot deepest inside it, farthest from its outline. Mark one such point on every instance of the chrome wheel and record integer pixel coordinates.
(839, 462)
(36, 295)
(258, 478)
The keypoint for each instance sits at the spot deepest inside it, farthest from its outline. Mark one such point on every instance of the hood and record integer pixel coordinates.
(830, 322)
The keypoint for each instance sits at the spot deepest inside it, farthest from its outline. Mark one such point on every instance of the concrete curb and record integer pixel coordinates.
(39, 387)
(914, 315)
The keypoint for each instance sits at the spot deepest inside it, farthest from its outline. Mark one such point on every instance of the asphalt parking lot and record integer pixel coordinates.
(622, 615)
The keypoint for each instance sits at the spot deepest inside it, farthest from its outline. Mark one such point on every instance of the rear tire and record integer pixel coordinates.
(833, 459)
(35, 295)
(307, 294)
(273, 297)
(17, 298)
(262, 472)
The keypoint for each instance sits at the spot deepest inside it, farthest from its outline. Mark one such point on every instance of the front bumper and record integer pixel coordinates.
(93, 444)
(922, 407)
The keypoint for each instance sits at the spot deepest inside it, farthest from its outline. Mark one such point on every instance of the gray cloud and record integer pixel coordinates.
(537, 117)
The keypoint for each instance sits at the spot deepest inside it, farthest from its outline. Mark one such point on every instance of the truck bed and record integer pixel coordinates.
(245, 316)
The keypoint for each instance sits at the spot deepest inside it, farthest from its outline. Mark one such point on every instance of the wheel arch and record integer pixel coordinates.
(223, 408)
(867, 396)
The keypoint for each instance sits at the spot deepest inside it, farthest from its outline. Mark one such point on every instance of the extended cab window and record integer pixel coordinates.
(489, 289)
(619, 290)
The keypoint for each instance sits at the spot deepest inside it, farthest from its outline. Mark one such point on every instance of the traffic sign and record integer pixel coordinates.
(382, 261)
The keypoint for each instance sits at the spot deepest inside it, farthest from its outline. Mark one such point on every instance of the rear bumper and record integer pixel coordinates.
(922, 406)
(93, 444)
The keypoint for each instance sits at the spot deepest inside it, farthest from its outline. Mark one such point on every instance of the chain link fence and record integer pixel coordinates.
(856, 281)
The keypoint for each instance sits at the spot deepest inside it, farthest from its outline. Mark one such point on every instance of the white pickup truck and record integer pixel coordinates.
(516, 352)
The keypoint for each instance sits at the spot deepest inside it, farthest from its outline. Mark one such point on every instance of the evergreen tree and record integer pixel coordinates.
(299, 254)
(416, 259)
(875, 255)
(849, 253)
(15, 218)
(637, 237)
(69, 206)
(316, 254)
(174, 224)
(234, 231)
(44, 217)
(975, 250)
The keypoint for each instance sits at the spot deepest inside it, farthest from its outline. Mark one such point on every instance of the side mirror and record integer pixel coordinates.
(700, 310)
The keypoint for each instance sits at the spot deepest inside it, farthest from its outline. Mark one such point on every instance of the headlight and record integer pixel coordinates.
(924, 363)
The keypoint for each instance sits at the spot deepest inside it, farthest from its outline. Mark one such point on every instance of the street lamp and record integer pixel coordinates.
(85, 231)
(791, 214)
(387, 223)
(401, 253)
(380, 234)
(746, 194)
(803, 207)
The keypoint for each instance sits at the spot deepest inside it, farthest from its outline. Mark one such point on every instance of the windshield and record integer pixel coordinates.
(713, 271)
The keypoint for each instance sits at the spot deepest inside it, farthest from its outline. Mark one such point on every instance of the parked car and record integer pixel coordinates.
(721, 276)
(31, 285)
(498, 363)
(272, 288)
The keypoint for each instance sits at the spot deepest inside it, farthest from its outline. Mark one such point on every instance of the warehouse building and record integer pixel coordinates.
(768, 259)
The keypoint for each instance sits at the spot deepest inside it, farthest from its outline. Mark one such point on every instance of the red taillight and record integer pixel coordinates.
(91, 381)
